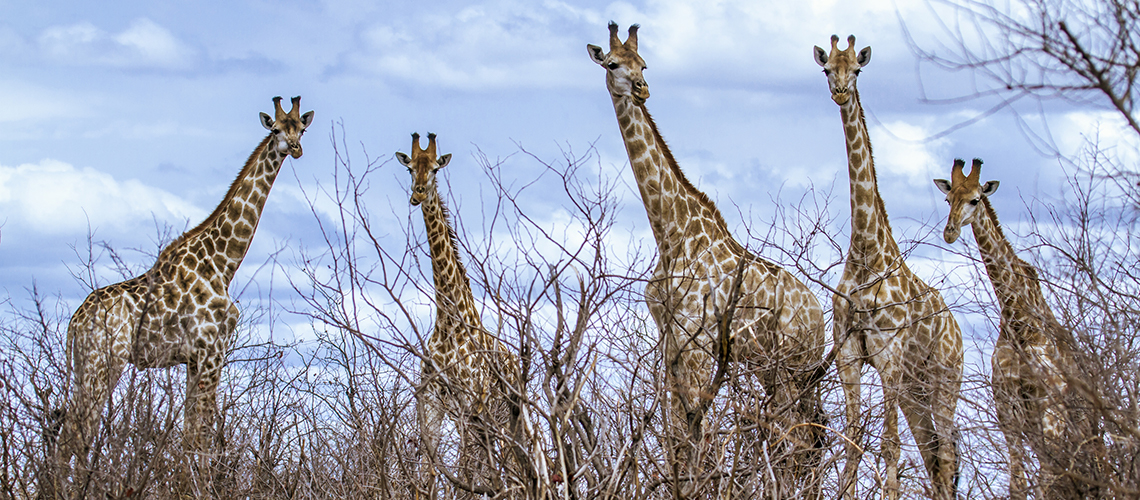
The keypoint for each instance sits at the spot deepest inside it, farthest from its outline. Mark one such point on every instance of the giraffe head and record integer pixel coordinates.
(963, 193)
(423, 165)
(841, 67)
(623, 66)
(288, 127)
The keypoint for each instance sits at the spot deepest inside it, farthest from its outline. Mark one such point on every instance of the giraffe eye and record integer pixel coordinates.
(827, 71)
(974, 201)
(612, 65)
(857, 71)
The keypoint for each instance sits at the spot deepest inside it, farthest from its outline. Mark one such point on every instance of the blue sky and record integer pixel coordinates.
(122, 116)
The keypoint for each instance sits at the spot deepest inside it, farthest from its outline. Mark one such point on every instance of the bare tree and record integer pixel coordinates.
(1083, 52)
(1089, 255)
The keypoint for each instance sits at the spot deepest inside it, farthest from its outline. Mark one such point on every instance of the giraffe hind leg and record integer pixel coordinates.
(95, 376)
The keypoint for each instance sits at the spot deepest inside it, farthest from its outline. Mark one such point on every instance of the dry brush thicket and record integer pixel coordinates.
(333, 416)
(332, 413)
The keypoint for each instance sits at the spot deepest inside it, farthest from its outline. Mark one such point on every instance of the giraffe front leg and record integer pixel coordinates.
(1012, 418)
(945, 404)
(1017, 484)
(201, 405)
(209, 345)
(429, 413)
(890, 443)
(682, 432)
(850, 367)
(191, 417)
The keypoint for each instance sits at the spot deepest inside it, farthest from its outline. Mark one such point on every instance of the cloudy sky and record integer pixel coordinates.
(117, 118)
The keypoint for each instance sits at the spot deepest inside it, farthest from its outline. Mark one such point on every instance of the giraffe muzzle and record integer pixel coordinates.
(841, 97)
(640, 91)
(295, 150)
(950, 234)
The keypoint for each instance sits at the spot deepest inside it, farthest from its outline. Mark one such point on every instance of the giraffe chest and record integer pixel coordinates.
(891, 317)
(1019, 362)
(186, 315)
(688, 297)
(468, 368)
(462, 354)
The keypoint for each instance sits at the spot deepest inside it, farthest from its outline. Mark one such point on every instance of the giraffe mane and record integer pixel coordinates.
(1017, 264)
(201, 227)
(880, 207)
(452, 238)
(992, 214)
(701, 197)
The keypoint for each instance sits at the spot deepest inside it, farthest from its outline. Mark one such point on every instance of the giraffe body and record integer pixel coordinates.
(470, 373)
(887, 316)
(179, 311)
(1030, 359)
(778, 323)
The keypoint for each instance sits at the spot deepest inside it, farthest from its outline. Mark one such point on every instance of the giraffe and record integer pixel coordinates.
(885, 315)
(778, 323)
(1031, 357)
(179, 311)
(467, 372)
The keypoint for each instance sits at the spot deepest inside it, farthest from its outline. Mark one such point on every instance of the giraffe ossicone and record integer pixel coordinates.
(179, 311)
(885, 315)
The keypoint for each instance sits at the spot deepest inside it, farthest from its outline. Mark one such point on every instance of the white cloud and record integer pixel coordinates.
(142, 45)
(512, 43)
(753, 39)
(153, 43)
(53, 197)
(901, 152)
(498, 44)
(1106, 129)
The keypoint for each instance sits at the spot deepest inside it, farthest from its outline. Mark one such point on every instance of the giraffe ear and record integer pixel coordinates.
(403, 159)
(864, 56)
(943, 185)
(990, 188)
(444, 160)
(820, 56)
(306, 119)
(266, 121)
(597, 54)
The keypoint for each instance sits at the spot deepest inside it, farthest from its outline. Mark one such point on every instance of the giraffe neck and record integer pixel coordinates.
(672, 203)
(224, 237)
(1012, 278)
(870, 230)
(455, 304)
